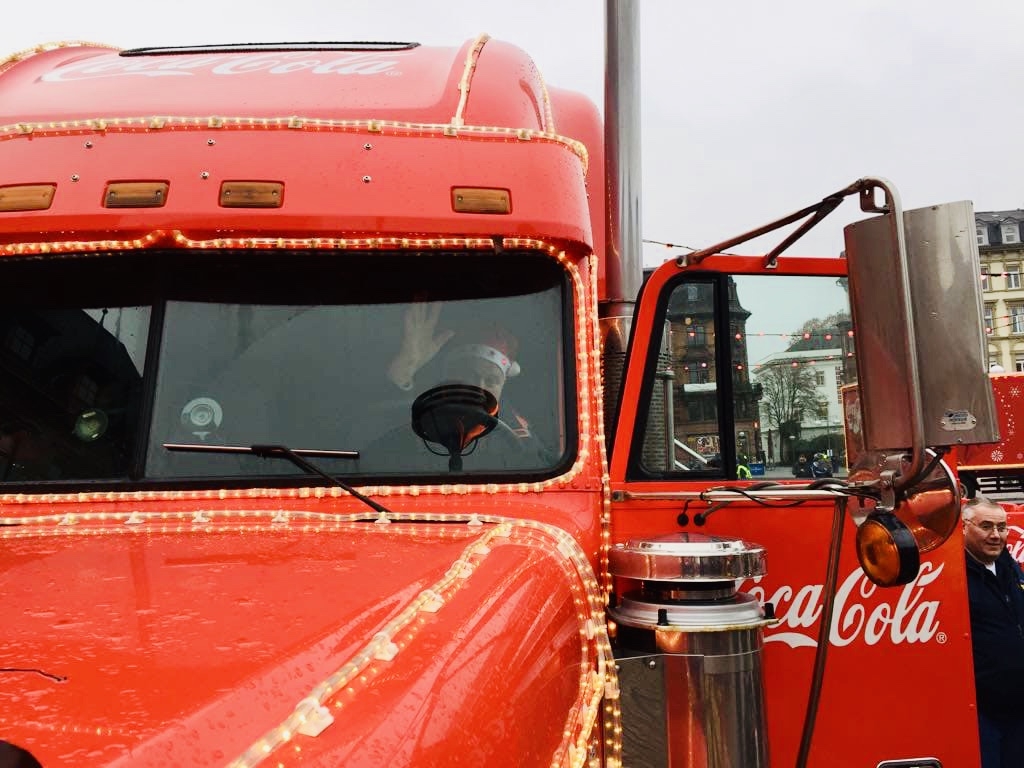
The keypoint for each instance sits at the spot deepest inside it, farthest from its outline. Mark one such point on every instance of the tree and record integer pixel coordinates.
(787, 392)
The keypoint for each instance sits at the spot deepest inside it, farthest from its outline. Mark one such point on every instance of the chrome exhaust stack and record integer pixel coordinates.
(688, 652)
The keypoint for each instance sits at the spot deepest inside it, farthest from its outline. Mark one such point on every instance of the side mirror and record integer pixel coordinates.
(915, 297)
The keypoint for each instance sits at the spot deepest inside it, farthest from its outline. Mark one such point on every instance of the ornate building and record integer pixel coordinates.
(1002, 254)
(692, 350)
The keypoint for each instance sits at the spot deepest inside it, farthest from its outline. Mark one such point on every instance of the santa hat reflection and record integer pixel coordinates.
(495, 345)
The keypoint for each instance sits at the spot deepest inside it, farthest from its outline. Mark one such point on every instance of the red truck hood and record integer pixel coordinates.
(213, 643)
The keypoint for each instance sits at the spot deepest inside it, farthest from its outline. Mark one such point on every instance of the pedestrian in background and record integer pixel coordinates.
(742, 468)
(802, 468)
(996, 595)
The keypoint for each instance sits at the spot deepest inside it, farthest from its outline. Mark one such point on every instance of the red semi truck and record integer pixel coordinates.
(230, 537)
(996, 467)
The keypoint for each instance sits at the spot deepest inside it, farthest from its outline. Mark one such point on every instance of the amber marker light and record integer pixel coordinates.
(887, 550)
(135, 194)
(481, 200)
(251, 194)
(27, 197)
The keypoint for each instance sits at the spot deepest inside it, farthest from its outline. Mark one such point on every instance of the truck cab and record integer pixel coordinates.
(247, 518)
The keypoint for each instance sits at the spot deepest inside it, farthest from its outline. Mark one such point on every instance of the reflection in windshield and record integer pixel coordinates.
(284, 348)
(316, 377)
(70, 383)
(787, 359)
(803, 359)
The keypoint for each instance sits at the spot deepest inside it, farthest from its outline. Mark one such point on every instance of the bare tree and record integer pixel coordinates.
(787, 393)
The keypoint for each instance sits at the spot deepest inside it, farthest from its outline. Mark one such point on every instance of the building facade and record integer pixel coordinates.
(819, 429)
(1002, 255)
(695, 394)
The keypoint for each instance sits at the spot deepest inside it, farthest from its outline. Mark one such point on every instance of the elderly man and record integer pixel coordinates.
(997, 632)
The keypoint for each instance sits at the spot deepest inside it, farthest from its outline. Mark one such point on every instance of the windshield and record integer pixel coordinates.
(425, 365)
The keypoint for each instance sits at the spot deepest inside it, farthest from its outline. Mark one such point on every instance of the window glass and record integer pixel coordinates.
(108, 358)
(1016, 318)
(1013, 276)
(322, 376)
(696, 443)
(776, 395)
(801, 353)
(70, 388)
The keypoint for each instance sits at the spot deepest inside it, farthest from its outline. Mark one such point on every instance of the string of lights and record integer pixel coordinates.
(679, 246)
(995, 323)
(1000, 322)
(1006, 321)
(794, 337)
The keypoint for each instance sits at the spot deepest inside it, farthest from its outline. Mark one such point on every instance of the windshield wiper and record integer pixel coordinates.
(293, 455)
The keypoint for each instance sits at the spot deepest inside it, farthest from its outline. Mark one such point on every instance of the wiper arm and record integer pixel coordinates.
(293, 455)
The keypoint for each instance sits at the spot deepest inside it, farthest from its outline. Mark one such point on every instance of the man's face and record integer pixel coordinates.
(982, 535)
(478, 372)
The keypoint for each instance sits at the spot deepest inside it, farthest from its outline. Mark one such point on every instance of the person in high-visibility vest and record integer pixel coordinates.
(742, 470)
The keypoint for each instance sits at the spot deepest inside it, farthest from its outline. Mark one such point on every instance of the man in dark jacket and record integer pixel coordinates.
(802, 468)
(997, 633)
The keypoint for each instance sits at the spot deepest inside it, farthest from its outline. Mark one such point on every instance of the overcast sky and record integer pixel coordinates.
(751, 110)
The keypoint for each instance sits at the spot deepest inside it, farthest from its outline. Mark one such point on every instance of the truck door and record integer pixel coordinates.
(731, 364)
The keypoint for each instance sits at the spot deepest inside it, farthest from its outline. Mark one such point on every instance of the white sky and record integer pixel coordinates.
(751, 110)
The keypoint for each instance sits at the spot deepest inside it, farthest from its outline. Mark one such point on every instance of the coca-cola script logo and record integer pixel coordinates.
(277, 63)
(908, 618)
(1015, 543)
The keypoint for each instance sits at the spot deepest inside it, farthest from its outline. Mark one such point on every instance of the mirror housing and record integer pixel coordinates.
(936, 288)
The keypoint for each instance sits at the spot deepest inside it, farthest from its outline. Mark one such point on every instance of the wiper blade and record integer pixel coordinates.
(293, 455)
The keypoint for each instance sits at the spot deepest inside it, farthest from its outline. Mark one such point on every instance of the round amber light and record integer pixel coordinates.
(887, 550)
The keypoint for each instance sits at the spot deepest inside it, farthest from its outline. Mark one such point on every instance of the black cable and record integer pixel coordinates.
(35, 671)
(701, 517)
(927, 470)
(825, 482)
(824, 633)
